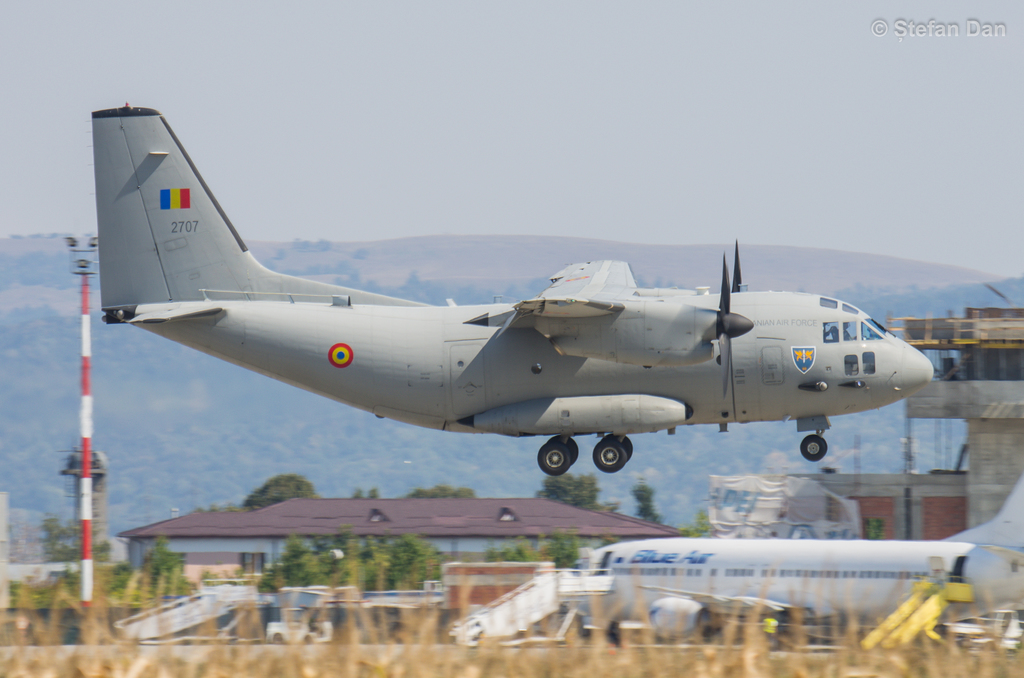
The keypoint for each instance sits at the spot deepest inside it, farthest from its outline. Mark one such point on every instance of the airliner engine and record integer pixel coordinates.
(674, 617)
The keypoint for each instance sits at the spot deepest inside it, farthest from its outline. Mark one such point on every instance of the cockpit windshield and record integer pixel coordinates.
(868, 333)
(878, 326)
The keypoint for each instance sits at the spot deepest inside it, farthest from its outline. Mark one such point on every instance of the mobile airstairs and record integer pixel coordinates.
(547, 594)
(169, 621)
(920, 612)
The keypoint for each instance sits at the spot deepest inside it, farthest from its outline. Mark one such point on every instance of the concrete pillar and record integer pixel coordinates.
(996, 459)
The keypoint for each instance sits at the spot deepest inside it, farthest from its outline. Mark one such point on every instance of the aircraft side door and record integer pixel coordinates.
(771, 377)
(745, 378)
(466, 369)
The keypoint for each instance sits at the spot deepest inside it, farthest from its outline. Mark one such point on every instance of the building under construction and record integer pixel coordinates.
(979, 378)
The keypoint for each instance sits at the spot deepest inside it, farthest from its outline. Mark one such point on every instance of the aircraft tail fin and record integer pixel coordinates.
(1006, 529)
(162, 234)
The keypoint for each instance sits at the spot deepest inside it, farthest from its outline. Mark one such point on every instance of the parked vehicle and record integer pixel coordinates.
(1003, 627)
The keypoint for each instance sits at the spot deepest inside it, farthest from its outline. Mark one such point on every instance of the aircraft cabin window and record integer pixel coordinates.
(867, 333)
(830, 332)
(869, 362)
(850, 309)
(829, 303)
(850, 331)
(850, 362)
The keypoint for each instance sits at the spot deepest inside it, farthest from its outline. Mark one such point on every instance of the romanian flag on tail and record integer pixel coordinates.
(175, 199)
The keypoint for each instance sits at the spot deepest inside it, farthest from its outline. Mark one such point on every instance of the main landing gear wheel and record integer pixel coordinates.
(628, 444)
(555, 457)
(574, 450)
(610, 455)
(814, 448)
(570, 444)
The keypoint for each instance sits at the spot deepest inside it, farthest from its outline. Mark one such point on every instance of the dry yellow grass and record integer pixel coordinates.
(361, 650)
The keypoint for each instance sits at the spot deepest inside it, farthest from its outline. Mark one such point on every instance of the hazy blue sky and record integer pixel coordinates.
(774, 123)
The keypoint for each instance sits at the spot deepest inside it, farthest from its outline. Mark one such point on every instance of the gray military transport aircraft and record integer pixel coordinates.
(591, 354)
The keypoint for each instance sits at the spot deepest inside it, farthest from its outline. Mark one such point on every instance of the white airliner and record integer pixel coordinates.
(680, 585)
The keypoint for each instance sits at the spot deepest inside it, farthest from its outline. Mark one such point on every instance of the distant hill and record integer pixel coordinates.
(473, 269)
(184, 430)
(498, 262)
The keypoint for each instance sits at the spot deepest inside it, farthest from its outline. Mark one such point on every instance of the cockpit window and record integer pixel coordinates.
(877, 325)
(867, 333)
(850, 309)
(850, 331)
(869, 362)
(830, 332)
(829, 303)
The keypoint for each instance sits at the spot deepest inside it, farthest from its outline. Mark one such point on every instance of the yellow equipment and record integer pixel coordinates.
(920, 612)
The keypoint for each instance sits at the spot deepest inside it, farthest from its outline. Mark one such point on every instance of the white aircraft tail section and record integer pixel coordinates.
(162, 234)
(1006, 529)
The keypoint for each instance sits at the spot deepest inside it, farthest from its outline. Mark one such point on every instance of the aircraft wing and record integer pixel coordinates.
(711, 598)
(594, 280)
(579, 291)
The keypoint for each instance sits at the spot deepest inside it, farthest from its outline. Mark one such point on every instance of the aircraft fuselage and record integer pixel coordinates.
(426, 366)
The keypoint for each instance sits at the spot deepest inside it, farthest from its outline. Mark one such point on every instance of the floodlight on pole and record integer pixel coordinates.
(83, 263)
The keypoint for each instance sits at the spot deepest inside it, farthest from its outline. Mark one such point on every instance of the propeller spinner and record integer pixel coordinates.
(730, 325)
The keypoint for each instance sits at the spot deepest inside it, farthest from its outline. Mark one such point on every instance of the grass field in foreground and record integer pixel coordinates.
(415, 651)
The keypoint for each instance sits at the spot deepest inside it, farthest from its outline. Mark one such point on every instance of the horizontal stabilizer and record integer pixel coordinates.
(1009, 555)
(165, 314)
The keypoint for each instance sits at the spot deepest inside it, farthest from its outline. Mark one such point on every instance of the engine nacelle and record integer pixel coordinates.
(645, 333)
(675, 617)
(619, 414)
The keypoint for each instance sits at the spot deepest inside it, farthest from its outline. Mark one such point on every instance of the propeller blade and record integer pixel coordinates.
(725, 349)
(737, 278)
(724, 302)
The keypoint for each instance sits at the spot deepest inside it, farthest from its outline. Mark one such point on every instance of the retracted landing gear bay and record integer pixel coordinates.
(611, 454)
(557, 455)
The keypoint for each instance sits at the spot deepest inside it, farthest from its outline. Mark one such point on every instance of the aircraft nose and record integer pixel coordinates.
(917, 370)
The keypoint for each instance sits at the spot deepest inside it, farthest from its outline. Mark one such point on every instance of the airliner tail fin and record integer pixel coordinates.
(1006, 529)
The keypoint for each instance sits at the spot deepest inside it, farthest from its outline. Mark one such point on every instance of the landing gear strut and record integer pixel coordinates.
(611, 454)
(557, 455)
(814, 447)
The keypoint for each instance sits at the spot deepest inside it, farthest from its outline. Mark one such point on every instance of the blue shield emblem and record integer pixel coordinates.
(803, 356)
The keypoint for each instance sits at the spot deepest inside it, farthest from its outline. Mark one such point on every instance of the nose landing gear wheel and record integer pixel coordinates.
(554, 457)
(610, 455)
(814, 448)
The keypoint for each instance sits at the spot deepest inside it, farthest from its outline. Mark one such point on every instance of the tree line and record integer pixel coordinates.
(370, 563)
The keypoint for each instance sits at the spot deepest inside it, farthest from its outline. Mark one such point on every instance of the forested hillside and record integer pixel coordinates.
(184, 430)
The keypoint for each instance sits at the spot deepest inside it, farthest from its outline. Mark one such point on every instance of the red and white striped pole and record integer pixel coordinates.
(86, 426)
